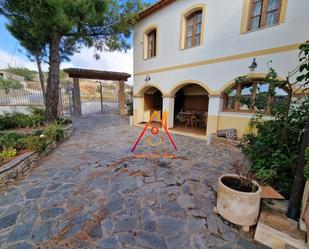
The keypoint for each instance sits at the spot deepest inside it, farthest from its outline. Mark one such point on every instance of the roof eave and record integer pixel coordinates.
(154, 8)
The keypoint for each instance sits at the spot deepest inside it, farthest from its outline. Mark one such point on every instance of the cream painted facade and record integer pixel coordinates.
(225, 53)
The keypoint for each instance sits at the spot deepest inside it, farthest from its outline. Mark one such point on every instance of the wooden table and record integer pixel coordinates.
(193, 118)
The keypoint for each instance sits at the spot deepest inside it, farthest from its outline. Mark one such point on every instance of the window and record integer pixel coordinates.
(263, 13)
(262, 96)
(152, 43)
(192, 26)
(193, 29)
(253, 96)
(245, 97)
(230, 99)
(279, 98)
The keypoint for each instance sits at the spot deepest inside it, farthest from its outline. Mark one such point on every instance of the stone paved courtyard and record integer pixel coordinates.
(91, 192)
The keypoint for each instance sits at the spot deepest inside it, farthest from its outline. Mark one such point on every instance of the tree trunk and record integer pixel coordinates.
(41, 76)
(299, 179)
(52, 90)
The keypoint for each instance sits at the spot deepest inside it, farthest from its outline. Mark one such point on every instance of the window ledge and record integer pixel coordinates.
(146, 59)
(241, 113)
(190, 47)
(262, 28)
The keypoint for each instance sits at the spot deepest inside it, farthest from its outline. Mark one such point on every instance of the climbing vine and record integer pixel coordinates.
(273, 145)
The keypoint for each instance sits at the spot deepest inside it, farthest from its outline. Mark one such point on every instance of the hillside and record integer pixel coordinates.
(90, 89)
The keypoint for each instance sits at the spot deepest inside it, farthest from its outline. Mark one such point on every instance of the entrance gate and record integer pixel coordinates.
(77, 73)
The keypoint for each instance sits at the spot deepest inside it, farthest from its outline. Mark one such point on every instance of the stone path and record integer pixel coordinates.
(91, 192)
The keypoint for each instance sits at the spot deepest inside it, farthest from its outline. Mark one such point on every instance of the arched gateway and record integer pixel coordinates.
(78, 73)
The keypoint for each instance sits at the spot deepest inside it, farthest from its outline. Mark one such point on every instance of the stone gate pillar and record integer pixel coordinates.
(121, 98)
(76, 98)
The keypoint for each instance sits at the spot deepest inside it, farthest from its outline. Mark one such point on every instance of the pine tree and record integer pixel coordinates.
(61, 27)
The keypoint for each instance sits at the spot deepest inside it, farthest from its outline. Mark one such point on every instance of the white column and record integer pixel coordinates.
(168, 107)
(213, 114)
(138, 109)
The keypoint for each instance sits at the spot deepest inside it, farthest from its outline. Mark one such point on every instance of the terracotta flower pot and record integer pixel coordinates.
(239, 207)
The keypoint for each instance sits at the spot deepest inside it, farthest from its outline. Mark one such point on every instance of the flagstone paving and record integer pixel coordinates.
(91, 192)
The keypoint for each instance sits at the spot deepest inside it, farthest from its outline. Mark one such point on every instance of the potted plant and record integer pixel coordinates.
(129, 105)
(238, 197)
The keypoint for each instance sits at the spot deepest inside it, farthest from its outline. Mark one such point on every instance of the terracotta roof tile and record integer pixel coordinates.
(154, 8)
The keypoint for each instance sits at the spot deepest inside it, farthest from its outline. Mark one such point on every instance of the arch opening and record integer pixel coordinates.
(191, 108)
(153, 101)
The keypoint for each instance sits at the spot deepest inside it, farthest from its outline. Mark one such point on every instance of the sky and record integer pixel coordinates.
(11, 53)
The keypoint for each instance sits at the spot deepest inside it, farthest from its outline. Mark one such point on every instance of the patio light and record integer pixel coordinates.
(253, 65)
(147, 78)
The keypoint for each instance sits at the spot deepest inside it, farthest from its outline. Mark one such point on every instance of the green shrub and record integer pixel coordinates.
(36, 110)
(273, 150)
(23, 120)
(8, 84)
(2, 122)
(63, 121)
(36, 143)
(129, 105)
(12, 140)
(24, 72)
(20, 120)
(306, 170)
(7, 153)
(54, 132)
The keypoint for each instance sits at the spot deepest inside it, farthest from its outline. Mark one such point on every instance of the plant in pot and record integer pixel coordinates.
(129, 105)
(238, 197)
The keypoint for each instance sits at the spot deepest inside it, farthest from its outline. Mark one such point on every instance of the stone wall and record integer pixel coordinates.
(25, 162)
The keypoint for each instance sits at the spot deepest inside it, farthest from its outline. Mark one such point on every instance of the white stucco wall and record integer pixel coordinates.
(216, 76)
(222, 38)
(225, 53)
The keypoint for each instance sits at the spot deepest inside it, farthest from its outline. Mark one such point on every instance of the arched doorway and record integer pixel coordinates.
(191, 108)
(152, 102)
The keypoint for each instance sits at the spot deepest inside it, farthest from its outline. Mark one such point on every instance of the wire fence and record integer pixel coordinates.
(27, 96)
(32, 96)
(21, 97)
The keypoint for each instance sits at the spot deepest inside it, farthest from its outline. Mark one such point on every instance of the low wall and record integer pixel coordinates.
(237, 121)
(25, 162)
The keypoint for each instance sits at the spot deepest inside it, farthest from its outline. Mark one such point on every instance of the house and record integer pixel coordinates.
(7, 75)
(187, 55)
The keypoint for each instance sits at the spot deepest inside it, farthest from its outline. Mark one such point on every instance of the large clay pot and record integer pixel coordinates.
(238, 207)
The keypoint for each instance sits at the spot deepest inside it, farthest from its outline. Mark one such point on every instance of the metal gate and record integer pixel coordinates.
(109, 97)
(66, 99)
(105, 103)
